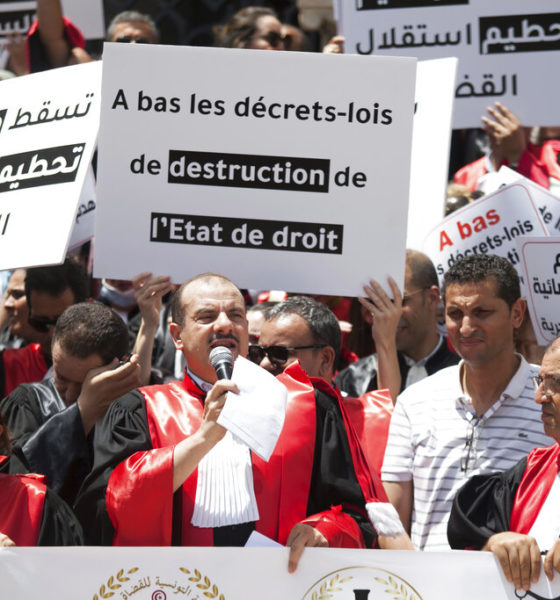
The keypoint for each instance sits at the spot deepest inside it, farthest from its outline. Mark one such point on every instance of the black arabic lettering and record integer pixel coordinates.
(24, 118)
(488, 87)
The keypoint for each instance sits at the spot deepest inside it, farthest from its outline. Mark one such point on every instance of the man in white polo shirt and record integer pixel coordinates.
(476, 417)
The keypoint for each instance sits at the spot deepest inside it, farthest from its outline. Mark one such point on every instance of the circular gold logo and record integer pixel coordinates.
(361, 583)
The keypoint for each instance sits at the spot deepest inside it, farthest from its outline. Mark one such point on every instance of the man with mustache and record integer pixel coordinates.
(145, 483)
(475, 417)
(515, 514)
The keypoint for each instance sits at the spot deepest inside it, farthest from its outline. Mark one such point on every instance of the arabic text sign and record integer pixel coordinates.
(504, 47)
(48, 129)
(277, 179)
(254, 574)
(486, 226)
(540, 258)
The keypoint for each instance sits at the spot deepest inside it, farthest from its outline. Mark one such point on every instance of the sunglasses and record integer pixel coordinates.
(42, 324)
(276, 354)
(273, 38)
(129, 39)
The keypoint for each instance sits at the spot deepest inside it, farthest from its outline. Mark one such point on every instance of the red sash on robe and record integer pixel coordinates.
(139, 496)
(370, 415)
(542, 468)
(23, 365)
(21, 507)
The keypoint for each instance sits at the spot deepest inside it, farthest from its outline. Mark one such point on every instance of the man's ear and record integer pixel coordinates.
(175, 331)
(518, 312)
(434, 295)
(327, 366)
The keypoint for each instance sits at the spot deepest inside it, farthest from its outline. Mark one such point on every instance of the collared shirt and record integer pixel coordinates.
(417, 369)
(203, 385)
(437, 442)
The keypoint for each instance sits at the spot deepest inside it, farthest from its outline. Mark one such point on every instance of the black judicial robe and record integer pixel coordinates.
(498, 502)
(125, 500)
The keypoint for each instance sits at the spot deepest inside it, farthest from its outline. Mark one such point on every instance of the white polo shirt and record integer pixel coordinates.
(436, 441)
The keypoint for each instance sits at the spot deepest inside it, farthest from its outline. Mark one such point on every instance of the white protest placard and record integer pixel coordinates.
(486, 226)
(256, 573)
(540, 263)
(264, 171)
(431, 137)
(88, 16)
(505, 48)
(547, 202)
(48, 130)
(85, 216)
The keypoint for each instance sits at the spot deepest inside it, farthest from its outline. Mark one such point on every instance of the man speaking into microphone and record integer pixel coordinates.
(146, 486)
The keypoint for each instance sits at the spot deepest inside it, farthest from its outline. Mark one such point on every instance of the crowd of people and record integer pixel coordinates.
(415, 421)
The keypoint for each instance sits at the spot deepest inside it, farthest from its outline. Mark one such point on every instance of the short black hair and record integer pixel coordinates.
(91, 328)
(132, 16)
(320, 319)
(479, 267)
(54, 280)
(422, 271)
(241, 27)
(177, 309)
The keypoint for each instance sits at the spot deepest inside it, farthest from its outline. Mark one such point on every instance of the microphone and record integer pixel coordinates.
(221, 358)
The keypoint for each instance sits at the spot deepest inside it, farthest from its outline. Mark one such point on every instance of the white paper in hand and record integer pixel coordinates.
(256, 414)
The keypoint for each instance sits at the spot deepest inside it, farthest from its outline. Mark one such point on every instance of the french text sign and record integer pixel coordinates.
(264, 171)
(505, 48)
(486, 226)
(48, 130)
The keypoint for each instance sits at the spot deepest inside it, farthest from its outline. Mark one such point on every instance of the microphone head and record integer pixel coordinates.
(220, 355)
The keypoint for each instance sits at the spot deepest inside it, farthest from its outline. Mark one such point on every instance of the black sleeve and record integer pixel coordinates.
(333, 480)
(21, 414)
(60, 451)
(122, 432)
(482, 507)
(59, 526)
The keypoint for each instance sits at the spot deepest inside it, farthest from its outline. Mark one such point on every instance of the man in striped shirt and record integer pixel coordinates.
(476, 417)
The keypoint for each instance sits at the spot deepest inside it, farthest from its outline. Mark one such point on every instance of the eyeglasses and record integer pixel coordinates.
(407, 297)
(273, 38)
(277, 354)
(129, 39)
(42, 324)
(469, 450)
(549, 382)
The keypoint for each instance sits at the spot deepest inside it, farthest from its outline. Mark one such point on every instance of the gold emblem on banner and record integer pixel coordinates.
(361, 583)
(125, 584)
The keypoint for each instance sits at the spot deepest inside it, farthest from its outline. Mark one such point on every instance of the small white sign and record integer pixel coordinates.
(486, 226)
(48, 130)
(85, 217)
(540, 261)
(498, 44)
(265, 171)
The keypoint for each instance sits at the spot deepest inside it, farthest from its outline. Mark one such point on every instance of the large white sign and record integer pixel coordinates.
(505, 48)
(435, 86)
(256, 573)
(540, 261)
(282, 170)
(48, 129)
(486, 226)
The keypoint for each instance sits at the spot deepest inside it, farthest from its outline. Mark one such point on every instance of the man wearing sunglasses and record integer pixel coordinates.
(49, 291)
(155, 440)
(51, 421)
(304, 330)
(515, 514)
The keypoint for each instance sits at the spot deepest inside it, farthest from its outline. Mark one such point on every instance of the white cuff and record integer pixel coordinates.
(385, 519)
